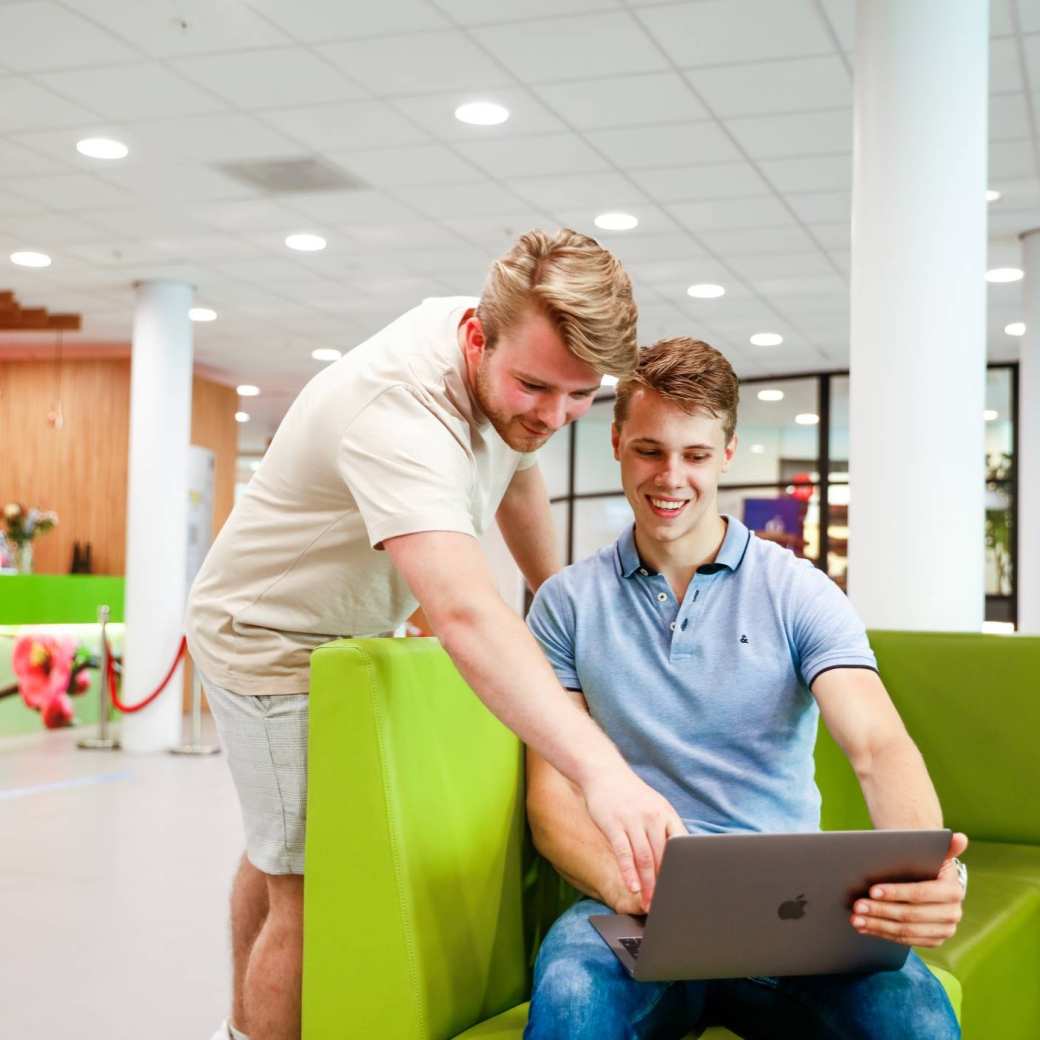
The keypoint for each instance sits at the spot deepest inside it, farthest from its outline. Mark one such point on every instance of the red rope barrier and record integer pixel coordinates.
(129, 709)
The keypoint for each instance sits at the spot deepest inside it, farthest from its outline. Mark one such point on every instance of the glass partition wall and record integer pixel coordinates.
(789, 480)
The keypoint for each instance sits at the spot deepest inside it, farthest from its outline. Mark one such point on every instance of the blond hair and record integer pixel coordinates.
(578, 285)
(690, 374)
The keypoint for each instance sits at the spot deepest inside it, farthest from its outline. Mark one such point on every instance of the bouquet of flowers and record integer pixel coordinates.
(50, 669)
(22, 525)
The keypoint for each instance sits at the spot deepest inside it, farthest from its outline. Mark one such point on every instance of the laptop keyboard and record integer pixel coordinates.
(632, 945)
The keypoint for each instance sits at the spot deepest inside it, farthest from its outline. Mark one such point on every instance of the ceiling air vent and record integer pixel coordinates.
(284, 176)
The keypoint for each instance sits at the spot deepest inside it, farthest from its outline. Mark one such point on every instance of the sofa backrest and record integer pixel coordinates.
(972, 704)
(413, 890)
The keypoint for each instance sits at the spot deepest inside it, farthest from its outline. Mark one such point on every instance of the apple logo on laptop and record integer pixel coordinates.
(792, 909)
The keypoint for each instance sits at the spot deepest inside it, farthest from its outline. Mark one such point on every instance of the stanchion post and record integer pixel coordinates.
(103, 741)
(195, 746)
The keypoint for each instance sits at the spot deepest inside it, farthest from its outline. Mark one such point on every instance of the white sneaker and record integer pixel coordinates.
(223, 1033)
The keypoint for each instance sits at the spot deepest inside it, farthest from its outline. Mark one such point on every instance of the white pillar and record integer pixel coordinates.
(917, 352)
(1028, 461)
(157, 509)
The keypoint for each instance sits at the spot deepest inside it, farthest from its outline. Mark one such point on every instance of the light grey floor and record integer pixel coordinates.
(114, 878)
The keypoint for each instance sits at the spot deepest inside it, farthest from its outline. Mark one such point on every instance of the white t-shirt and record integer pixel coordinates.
(386, 441)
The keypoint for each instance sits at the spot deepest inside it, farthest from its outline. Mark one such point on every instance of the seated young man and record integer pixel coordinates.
(707, 655)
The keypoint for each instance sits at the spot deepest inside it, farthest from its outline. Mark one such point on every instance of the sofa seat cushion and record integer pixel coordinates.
(1013, 861)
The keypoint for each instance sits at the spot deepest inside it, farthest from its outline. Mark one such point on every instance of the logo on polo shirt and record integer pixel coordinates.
(744, 639)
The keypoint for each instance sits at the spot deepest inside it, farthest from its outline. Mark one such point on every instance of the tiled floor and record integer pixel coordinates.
(114, 879)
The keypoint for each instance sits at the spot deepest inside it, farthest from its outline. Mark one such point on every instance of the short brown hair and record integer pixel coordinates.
(690, 374)
(578, 285)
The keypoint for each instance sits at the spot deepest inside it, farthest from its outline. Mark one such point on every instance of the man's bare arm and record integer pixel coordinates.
(526, 525)
(899, 793)
(501, 661)
(565, 835)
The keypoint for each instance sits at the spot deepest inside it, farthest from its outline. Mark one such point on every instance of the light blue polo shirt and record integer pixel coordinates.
(708, 700)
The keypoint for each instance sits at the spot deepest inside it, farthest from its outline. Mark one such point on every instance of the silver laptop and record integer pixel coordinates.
(740, 905)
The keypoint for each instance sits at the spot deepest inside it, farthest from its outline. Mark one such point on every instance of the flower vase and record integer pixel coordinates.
(23, 558)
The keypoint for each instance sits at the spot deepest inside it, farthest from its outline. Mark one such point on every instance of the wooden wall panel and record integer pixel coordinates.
(80, 471)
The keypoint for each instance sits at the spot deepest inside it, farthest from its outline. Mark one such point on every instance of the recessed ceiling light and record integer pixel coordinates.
(254, 464)
(202, 314)
(1004, 274)
(102, 148)
(807, 418)
(482, 113)
(248, 390)
(705, 291)
(609, 381)
(992, 194)
(758, 449)
(1015, 328)
(770, 395)
(616, 221)
(305, 242)
(767, 339)
(241, 416)
(26, 258)
(326, 354)
(989, 415)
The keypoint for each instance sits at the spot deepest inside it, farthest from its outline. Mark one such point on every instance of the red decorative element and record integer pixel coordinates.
(128, 709)
(43, 666)
(802, 489)
(82, 683)
(58, 712)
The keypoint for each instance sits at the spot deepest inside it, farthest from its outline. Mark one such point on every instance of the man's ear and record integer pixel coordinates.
(729, 452)
(474, 341)
(615, 440)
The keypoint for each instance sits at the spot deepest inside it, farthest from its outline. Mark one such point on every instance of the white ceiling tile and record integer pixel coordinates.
(804, 285)
(445, 201)
(72, 192)
(416, 63)
(534, 156)
(756, 212)
(1000, 23)
(165, 30)
(596, 190)
(818, 173)
(282, 77)
(842, 16)
(678, 144)
(119, 253)
(266, 271)
(1028, 16)
(1011, 159)
(318, 21)
(174, 182)
(797, 85)
(652, 221)
(344, 208)
(660, 97)
(1031, 44)
(573, 48)
(1008, 117)
(492, 236)
(436, 113)
(132, 91)
(712, 181)
(145, 221)
(353, 124)
(804, 133)
(28, 106)
(42, 35)
(715, 32)
(418, 164)
(744, 241)
(656, 248)
(263, 214)
(1005, 69)
(822, 207)
(223, 137)
(395, 239)
(14, 204)
(49, 232)
(770, 266)
(480, 12)
(1022, 193)
(16, 161)
(833, 236)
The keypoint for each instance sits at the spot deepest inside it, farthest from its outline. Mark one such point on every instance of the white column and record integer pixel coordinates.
(917, 352)
(1028, 461)
(157, 509)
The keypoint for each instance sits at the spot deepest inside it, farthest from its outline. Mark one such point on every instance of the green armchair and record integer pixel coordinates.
(424, 902)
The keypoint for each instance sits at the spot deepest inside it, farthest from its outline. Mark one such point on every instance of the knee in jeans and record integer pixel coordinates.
(564, 985)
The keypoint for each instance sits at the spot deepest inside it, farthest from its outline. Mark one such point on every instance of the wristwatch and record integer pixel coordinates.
(962, 873)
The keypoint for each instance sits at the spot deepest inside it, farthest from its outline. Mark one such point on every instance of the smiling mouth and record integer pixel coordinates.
(666, 507)
(534, 433)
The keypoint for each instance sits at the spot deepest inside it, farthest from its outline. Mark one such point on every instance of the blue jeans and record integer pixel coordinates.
(581, 992)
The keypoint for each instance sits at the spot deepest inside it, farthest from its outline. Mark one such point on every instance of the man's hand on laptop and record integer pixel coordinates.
(919, 913)
(637, 822)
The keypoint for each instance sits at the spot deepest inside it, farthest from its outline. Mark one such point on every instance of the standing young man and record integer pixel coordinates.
(370, 499)
(707, 655)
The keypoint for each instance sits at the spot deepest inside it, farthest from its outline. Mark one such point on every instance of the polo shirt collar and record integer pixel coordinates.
(729, 557)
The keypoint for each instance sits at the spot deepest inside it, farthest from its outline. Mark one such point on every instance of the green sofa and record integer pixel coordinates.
(424, 902)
